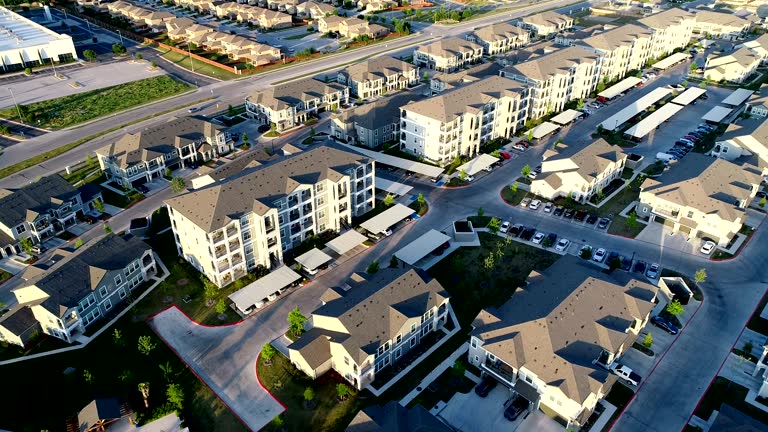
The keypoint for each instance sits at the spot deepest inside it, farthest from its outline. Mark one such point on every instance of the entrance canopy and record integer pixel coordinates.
(381, 222)
(421, 247)
(398, 162)
(566, 117)
(716, 114)
(688, 96)
(396, 188)
(346, 242)
(478, 164)
(737, 97)
(671, 61)
(257, 291)
(653, 120)
(544, 129)
(619, 88)
(313, 259)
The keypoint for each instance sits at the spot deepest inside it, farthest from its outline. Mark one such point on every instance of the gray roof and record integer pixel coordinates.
(625, 35)
(475, 73)
(449, 47)
(379, 113)
(394, 417)
(18, 320)
(547, 18)
(729, 419)
(377, 68)
(556, 326)
(378, 305)
(315, 347)
(499, 32)
(720, 18)
(709, 185)
(760, 98)
(291, 94)
(591, 160)
(68, 280)
(153, 142)
(557, 62)
(25, 204)
(666, 18)
(98, 410)
(256, 190)
(447, 106)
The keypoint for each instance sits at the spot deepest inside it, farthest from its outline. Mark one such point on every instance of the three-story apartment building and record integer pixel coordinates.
(623, 49)
(137, 158)
(545, 24)
(459, 121)
(373, 124)
(553, 341)
(721, 25)
(672, 29)
(378, 76)
(499, 38)
(228, 228)
(448, 54)
(289, 105)
(370, 324)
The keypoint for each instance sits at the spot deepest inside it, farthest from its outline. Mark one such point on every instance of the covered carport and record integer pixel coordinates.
(383, 221)
(256, 294)
(346, 242)
(688, 96)
(416, 250)
(566, 117)
(717, 114)
(653, 121)
(392, 187)
(544, 129)
(670, 61)
(398, 162)
(738, 97)
(619, 88)
(640, 105)
(477, 164)
(314, 259)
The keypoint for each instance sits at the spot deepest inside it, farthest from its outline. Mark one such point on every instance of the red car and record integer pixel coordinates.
(505, 155)
(602, 99)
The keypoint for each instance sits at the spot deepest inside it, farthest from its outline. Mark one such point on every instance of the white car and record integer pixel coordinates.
(562, 245)
(388, 232)
(599, 255)
(504, 227)
(548, 207)
(653, 271)
(535, 204)
(468, 178)
(626, 374)
(708, 247)
(525, 202)
(489, 168)
(538, 238)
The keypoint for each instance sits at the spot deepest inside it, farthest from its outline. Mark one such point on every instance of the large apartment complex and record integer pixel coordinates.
(721, 25)
(228, 228)
(458, 122)
(378, 76)
(370, 324)
(623, 49)
(553, 341)
(373, 124)
(499, 38)
(672, 29)
(447, 55)
(735, 66)
(545, 24)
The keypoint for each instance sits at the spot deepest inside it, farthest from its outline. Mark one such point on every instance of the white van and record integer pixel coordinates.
(665, 157)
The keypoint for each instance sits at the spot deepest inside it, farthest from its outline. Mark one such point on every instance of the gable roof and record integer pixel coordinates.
(625, 35)
(449, 47)
(393, 417)
(720, 18)
(377, 68)
(664, 19)
(25, 204)
(379, 113)
(499, 32)
(548, 18)
(97, 410)
(557, 62)
(291, 94)
(590, 161)
(18, 320)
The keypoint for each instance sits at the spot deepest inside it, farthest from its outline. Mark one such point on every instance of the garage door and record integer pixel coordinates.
(685, 229)
(702, 234)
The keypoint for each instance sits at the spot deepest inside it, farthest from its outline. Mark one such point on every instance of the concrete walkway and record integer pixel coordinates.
(442, 367)
(739, 370)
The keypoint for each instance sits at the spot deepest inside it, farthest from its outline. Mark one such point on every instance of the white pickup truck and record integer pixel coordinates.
(626, 374)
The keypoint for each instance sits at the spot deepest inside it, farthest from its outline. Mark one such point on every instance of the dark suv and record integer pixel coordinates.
(485, 387)
(517, 407)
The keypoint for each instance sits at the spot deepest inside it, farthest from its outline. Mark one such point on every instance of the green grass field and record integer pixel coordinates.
(200, 67)
(79, 108)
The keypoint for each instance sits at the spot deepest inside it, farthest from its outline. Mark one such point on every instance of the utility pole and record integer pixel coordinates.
(191, 61)
(121, 37)
(18, 110)
(55, 75)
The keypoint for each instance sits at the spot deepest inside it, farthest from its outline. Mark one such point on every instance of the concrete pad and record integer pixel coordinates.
(79, 229)
(469, 412)
(12, 266)
(537, 421)
(739, 370)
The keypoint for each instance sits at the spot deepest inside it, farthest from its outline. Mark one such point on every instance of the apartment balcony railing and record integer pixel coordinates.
(500, 369)
(342, 193)
(343, 207)
(271, 242)
(231, 231)
(223, 266)
(667, 213)
(292, 201)
(234, 244)
(71, 322)
(295, 229)
(237, 259)
(220, 251)
(294, 215)
(307, 208)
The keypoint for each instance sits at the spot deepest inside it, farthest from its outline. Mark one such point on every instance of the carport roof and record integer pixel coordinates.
(544, 129)
(398, 162)
(478, 164)
(716, 114)
(392, 187)
(636, 108)
(258, 290)
(619, 88)
(670, 61)
(346, 242)
(421, 247)
(688, 96)
(566, 117)
(737, 97)
(654, 120)
(389, 217)
(313, 259)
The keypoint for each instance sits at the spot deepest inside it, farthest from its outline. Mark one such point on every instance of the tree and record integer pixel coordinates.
(278, 423)
(674, 308)
(586, 252)
(89, 160)
(614, 263)
(210, 290)
(153, 64)
(221, 306)
(268, 353)
(107, 229)
(747, 348)
(28, 71)
(177, 184)
(693, 67)
(700, 276)
(426, 76)
(600, 86)
(5, 130)
(296, 322)
(309, 398)
(139, 56)
(78, 243)
(684, 83)
(27, 245)
(245, 138)
(703, 84)
(373, 267)
(90, 55)
(389, 200)
(144, 389)
(762, 202)
(88, 376)
(118, 49)
(462, 174)
(480, 212)
(529, 136)
(175, 396)
(342, 391)
(117, 337)
(632, 219)
(98, 204)
(393, 262)
(167, 371)
(146, 345)
(494, 225)
(167, 172)
(526, 171)
(514, 187)
(420, 199)
(458, 368)
(125, 375)
(648, 341)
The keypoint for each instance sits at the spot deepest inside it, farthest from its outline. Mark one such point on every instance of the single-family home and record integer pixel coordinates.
(736, 66)
(499, 38)
(447, 54)
(378, 76)
(314, 10)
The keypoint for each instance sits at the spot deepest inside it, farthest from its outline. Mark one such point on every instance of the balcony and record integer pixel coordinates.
(306, 209)
(237, 259)
(231, 231)
(234, 244)
(272, 242)
(292, 201)
(342, 193)
(223, 266)
(294, 215)
(295, 229)
(218, 236)
(220, 251)
(71, 322)
(500, 370)
(342, 208)
(667, 213)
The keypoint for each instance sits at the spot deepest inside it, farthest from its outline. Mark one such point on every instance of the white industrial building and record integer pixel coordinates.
(24, 43)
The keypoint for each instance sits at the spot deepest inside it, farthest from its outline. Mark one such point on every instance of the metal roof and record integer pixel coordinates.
(688, 96)
(566, 117)
(313, 259)
(654, 120)
(260, 289)
(737, 97)
(717, 114)
(544, 129)
(671, 61)
(421, 247)
(389, 217)
(636, 108)
(392, 187)
(397, 162)
(346, 242)
(620, 87)
(477, 164)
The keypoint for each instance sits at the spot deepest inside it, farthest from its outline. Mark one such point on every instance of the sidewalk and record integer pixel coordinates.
(442, 367)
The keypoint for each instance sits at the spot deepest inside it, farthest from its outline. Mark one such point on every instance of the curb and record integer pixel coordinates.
(263, 387)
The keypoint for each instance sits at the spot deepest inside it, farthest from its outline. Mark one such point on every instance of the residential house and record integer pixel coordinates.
(730, 419)
(622, 49)
(175, 27)
(360, 330)
(291, 104)
(76, 288)
(378, 76)
(557, 78)
(720, 25)
(448, 54)
(249, 219)
(329, 24)
(579, 174)
(314, 10)
(270, 19)
(286, 6)
(456, 123)
(499, 38)
(371, 6)
(672, 29)
(757, 105)
(139, 15)
(445, 82)
(758, 46)
(701, 197)
(140, 157)
(98, 415)
(18, 326)
(745, 141)
(39, 211)
(189, 33)
(241, 48)
(545, 24)
(553, 341)
(373, 124)
(736, 66)
(394, 417)
(351, 28)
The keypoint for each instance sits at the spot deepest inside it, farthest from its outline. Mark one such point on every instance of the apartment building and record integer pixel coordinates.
(228, 228)
(378, 76)
(557, 78)
(369, 324)
(351, 28)
(580, 174)
(394, 417)
(701, 197)
(545, 24)
(290, 104)
(458, 122)
(736, 66)
(373, 124)
(499, 38)
(78, 287)
(239, 48)
(553, 341)
(672, 29)
(757, 105)
(758, 46)
(721, 25)
(39, 210)
(445, 82)
(623, 49)
(747, 140)
(448, 54)
(155, 20)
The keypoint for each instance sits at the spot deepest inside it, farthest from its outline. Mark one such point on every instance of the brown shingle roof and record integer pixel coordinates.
(377, 68)
(558, 62)
(449, 47)
(666, 18)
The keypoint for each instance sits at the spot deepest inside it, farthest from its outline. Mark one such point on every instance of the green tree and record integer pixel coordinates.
(762, 202)
(700, 276)
(648, 340)
(5, 130)
(703, 84)
(480, 212)
(245, 138)
(125, 375)
(278, 423)
(231, 112)
(139, 56)
(526, 170)
(117, 337)
(514, 187)
(89, 160)
(107, 229)
(312, 132)
(296, 321)
(167, 371)
(28, 71)
(632, 219)
(177, 184)
(529, 136)
(27, 245)
(420, 199)
(614, 263)
(684, 83)
(167, 172)
(494, 225)
(309, 394)
(389, 200)
(90, 55)
(342, 391)
(425, 77)
(748, 348)
(144, 390)
(153, 64)
(221, 306)
(458, 368)
(393, 262)
(88, 376)
(462, 174)
(674, 308)
(586, 252)
(373, 267)
(98, 204)
(146, 345)
(118, 49)
(175, 396)
(600, 87)
(693, 67)
(268, 353)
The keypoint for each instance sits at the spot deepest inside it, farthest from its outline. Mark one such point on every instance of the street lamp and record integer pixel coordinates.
(121, 37)
(17, 105)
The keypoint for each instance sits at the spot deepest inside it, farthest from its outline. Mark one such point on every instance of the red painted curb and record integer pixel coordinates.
(744, 246)
(256, 372)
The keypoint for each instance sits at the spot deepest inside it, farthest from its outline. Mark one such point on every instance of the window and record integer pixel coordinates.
(380, 351)
(20, 229)
(398, 353)
(528, 379)
(474, 343)
(491, 357)
(690, 214)
(96, 314)
(398, 339)
(118, 280)
(413, 342)
(413, 328)
(103, 292)
(122, 293)
(108, 304)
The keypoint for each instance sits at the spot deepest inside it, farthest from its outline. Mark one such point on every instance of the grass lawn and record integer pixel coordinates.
(422, 209)
(620, 227)
(725, 391)
(91, 172)
(513, 197)
(288, 384)
(443, 389)
(78, 108)
(200, 67)
(122, 201)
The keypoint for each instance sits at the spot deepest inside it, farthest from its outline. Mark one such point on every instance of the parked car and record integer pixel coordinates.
(38, 249)
(516, 230)
(761, 194)
(263, 128)
(519, 147)
(599, 255)
(143, 189)
(664, 324)
(625, 373)
(559, 211)
(489, 168)
(548, 207)
(653, 271)
(537, 239)
(603, 223)
(517, 407)
(436, 179)
(485, 387)
(528, 233)
(708, 247)
(580, 216)
(505, 155)
(568, 213)
(562, 245)
(468, 178)
(525, 202)
(592, 219)
(684, 144)
(534, 204)
(551, 239)
(504, 227)
(640, 267)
